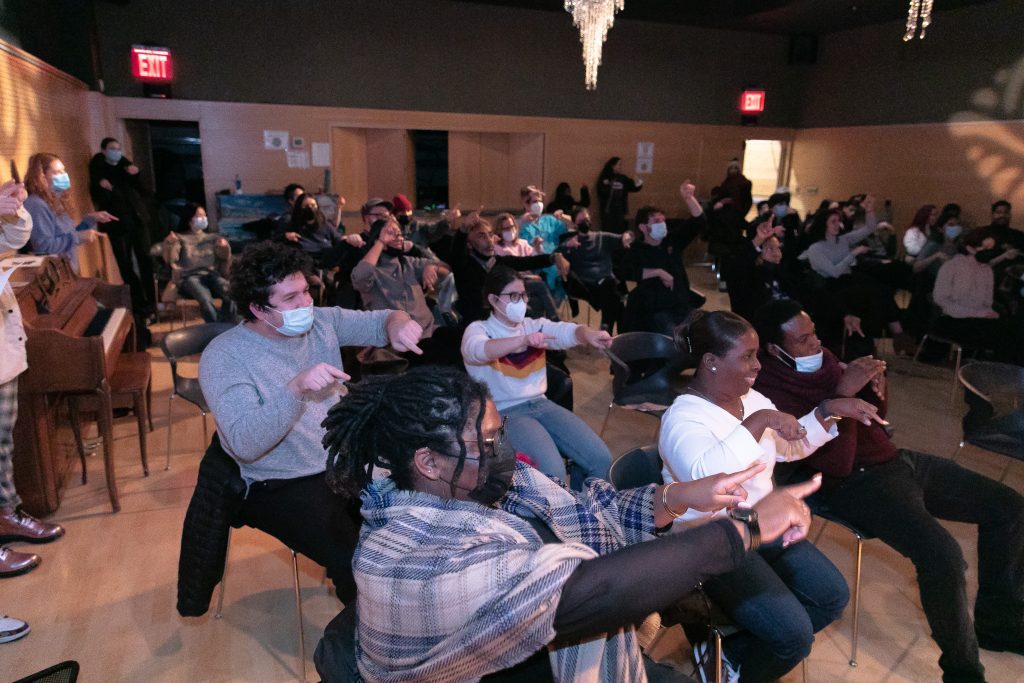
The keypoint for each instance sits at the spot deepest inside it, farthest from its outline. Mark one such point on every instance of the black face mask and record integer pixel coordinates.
(986, 255)
(393, 252)
(495, 469)
(583, 227)
(770, 269)
(309, 214)
(404, 220)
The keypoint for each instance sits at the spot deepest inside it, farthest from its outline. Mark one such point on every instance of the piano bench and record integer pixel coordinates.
(131, 388)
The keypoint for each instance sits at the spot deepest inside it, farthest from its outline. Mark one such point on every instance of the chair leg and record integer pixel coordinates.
(956, 373)
(206, 435)
(606, 416)
(924, 340)
(856, 601)
(76, 428)
(149, 403)
(170, 399)
(223, 579)
(717, 635)
(298, 614)
(141, 417)
(106, 425)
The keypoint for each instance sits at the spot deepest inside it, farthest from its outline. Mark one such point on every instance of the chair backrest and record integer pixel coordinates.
(190, 341)
(636, 468)
(65, 672)
(999, 384)
(652, 361)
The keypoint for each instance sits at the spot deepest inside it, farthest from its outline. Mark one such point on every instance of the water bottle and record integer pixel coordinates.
(238, 184)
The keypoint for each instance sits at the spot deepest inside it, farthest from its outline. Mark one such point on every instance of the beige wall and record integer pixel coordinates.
(972, 163)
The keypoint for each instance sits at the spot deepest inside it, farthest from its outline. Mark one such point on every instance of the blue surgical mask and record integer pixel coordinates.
(296, 321)
(781, 210)
(658, 231)
(200, 223)
(113, 156)
(806, 363)
(60, 182)
(952, 231)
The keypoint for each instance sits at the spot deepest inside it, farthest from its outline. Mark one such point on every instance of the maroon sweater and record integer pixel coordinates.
(797, 393)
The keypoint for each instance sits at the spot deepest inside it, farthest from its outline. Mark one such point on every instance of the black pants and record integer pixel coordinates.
(1001, 336)
(605, 297)
(901, 502)
(309, 518)
(129, 238)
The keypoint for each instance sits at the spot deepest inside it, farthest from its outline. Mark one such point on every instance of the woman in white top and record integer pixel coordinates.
(507, 352)
(784, 593)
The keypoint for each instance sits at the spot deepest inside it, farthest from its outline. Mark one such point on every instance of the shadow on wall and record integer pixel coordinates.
(990, 135)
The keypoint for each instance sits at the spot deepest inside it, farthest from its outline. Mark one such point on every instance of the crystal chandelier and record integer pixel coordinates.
(919, 10)
(593, 18)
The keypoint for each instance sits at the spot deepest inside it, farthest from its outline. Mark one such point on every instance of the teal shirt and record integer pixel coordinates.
(550, 228)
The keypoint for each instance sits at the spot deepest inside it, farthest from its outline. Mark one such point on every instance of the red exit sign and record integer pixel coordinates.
(752, 102)
(152, 64)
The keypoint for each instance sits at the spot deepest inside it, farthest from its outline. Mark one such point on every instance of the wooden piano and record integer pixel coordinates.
(76, 330)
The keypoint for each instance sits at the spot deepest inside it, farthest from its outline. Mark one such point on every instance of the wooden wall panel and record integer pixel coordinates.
(464, 169)
(390, 167)
(525, 164)
(495, 187)
(349, 175)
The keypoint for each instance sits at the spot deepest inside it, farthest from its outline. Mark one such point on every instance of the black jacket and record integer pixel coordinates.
(204, 537)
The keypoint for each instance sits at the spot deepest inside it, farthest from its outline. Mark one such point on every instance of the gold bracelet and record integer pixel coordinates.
(664, 501)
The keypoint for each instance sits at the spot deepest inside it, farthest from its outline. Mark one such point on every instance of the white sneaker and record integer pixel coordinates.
(703, 654)
(12, 629)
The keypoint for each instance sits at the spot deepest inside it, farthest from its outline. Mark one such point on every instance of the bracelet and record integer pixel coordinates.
(826, 415)
(664, 501)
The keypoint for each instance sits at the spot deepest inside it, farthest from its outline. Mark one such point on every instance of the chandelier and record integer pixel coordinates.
(593, 18)
(919, 10)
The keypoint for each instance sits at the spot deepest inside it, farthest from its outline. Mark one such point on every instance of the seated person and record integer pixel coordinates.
(899, 495)
(387, 278)
(200, 262)
(783, 594)
(509, 243)
(471, 566)
(591, 264)
(507, 352)
(754, 272)
(550, 228)
(1006, 236)
(269, 383)
(472, 257)
(282, 222)
(309, 230)
(661, 299)
(963, 291)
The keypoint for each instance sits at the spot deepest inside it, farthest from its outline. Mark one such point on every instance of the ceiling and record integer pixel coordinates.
(812, 17)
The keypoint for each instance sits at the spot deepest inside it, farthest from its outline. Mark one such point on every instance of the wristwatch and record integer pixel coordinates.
(749, 517)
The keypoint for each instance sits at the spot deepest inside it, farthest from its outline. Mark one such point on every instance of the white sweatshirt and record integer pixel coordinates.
(517, 377)
(699, 439)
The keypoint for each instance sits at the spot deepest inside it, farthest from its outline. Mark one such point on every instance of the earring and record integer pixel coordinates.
(714, 369)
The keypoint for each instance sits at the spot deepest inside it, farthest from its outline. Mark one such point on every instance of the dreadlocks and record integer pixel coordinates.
(385, 419)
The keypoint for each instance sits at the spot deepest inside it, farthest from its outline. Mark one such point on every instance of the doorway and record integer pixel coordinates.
(766, 166)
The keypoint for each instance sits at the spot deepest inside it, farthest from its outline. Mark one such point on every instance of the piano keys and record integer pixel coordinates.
(76, 329)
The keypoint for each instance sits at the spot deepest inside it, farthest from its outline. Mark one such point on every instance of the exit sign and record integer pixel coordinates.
(752, 102)
(152, 64)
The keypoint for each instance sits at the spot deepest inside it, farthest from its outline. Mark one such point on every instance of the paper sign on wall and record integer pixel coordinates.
(275, 139)
(644, 157)
(321, 154)
(298, 159)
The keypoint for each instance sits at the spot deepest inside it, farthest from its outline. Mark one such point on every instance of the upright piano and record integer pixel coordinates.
(76, 328)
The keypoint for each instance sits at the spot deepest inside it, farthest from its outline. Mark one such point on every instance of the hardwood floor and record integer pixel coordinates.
(105, 593)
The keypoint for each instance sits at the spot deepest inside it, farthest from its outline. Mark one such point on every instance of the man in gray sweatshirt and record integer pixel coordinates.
(269, 383)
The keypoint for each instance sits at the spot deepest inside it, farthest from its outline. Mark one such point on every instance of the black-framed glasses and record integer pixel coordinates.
(516, 297)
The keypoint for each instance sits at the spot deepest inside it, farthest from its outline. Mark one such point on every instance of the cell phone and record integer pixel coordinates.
(14, 172)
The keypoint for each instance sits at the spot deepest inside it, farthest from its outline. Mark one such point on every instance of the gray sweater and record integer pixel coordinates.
(269, 432)
(833, 257)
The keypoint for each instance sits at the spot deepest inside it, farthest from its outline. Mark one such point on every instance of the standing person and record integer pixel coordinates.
(15, 523)
(736, 187)
(785, 593)
(507, 352)
(200, 262)
(613, 189)
(472, 567)
(115, 187)
(54, 231)
(270, 381)
(899, 495)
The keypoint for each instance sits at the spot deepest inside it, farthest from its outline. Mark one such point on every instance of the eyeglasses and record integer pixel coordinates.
(516, 297)
(491, 445)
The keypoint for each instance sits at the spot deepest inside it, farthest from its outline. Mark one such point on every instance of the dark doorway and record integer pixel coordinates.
(431, 155)
(170, 157)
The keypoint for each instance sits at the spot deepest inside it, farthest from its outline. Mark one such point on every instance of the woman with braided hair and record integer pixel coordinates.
(473, 566)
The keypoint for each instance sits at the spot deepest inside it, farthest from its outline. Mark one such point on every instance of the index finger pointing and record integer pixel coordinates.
(737, 478)
(337, 373)
(800, 491)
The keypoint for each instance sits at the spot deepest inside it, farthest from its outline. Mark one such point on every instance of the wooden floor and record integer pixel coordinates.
(105, 593)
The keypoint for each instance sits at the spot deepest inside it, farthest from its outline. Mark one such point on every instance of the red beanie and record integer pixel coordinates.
(402, 203)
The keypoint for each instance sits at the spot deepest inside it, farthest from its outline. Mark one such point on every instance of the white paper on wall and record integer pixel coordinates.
(298, 159)
(275, 139)
(321, 154)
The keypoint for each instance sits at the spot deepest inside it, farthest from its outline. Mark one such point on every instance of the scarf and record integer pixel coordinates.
(451, 590)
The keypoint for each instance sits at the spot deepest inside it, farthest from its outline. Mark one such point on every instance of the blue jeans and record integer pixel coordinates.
(780, 598)
(544, 430)
(205, 288)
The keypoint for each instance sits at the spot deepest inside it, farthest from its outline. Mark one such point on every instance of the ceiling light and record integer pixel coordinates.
(920, 12)
(593, 18)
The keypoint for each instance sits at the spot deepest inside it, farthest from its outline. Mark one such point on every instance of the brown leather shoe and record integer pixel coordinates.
(13, 563)
(18, 525)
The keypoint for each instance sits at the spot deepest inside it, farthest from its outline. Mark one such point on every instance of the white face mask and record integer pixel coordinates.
(199, 223)
(296, 321)
(537, 208)
(509, 236)
(515, 312)
(658, 231)
(806, 363)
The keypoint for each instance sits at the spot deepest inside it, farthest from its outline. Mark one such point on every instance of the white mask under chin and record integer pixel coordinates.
(809, 363)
